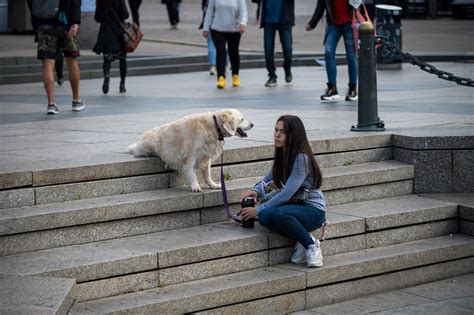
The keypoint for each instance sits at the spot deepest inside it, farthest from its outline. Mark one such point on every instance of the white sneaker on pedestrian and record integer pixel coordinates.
(212, 70)
(299, 253)
(314, 257)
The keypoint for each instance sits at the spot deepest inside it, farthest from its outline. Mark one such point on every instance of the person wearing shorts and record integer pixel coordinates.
(56, 36)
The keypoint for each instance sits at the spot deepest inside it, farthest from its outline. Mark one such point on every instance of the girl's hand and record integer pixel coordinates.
(249, 193)
(73, 30)
(248, 213)
(242, 28)
(205, 34)
(308, 28)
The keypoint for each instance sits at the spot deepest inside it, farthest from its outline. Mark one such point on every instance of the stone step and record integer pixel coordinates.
(167, 257)
(124, 165)
(117, 216)
(35, 295)
(334, 279)
(466, 208)
(139, 183)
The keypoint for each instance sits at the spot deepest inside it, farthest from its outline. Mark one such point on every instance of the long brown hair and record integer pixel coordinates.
(296, 142)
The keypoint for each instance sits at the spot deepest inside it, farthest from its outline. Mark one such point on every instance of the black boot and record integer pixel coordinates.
(122, 87)
(105, 86)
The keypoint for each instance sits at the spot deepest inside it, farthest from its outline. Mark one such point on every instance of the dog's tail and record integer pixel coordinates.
(133, 149)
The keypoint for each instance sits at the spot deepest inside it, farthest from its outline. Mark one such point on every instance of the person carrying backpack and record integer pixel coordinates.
(57, 24)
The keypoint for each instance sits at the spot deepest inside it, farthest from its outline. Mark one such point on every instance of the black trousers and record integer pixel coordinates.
(134, 6)
(172, 6)
(232, 39)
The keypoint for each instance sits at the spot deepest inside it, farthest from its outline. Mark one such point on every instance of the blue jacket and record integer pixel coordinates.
(287, 13)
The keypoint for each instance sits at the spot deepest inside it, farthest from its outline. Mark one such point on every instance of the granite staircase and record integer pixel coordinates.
(124, 237)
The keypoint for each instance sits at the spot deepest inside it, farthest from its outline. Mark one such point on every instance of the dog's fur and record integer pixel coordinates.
(191, 143)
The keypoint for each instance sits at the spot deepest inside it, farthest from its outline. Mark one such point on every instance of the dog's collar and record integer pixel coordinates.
(218, 128)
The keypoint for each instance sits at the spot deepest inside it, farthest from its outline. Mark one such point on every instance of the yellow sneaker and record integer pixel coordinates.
(235, 80)
(221, 82)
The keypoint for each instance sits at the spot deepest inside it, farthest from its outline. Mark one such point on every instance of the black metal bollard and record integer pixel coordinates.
(367, 108)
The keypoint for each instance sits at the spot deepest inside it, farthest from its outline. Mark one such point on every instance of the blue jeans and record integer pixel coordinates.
(286, 39)
(333, 34)
(211, 50)
(294, 221)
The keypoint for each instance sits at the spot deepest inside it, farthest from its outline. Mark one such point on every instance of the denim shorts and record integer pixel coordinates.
(52, 42)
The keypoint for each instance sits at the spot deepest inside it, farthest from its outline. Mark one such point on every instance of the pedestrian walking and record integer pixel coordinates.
(134, 9)
(338, 16)
(226, 21)
(278, 16)
(57, 27)
(172, 6)
(111, 14)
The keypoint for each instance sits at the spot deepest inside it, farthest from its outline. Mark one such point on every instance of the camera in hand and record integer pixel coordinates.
(248, 202)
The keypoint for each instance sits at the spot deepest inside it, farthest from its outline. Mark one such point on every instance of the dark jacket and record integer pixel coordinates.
(72, 9)
(110, 37)
(324, 5)
(287, 13)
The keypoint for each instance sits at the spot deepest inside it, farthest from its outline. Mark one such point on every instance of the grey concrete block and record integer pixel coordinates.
(363, 193)
(464, 200)
(35, 295)
(234, 190)
(95, 169)
(281, 304)
(15, 179)
(249, 169)
(213, 268)
(453, 288)
(329, 247)
(365, 174)
(371, 304)
(207, 242)
(363, 263)
(434, 138)
(117, 285)
(218, 213)
(433, 169)
(466, 227)
(442, 307)
(202, 294)
(330, 294)
(94, 189)
(17, 198)
(398, 211)
(354, 157)
(463, 170)
(96, 210)
(350, 143)
(87, 233)
(466, 213)
(410, 233)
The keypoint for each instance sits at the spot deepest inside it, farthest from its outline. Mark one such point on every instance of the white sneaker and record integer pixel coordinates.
(314, 257)
(299, 253)
(212, 70)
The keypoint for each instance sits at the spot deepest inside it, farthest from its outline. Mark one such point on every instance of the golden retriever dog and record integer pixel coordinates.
(191, 143)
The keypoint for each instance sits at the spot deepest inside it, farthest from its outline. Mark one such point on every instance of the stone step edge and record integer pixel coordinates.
(294, 281)
(168, 256)
(208, 198)
(90, 170)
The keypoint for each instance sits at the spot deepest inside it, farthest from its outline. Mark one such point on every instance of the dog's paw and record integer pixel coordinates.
(215, 186)
(196, 188)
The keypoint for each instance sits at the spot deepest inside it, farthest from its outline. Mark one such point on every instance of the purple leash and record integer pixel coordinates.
(224, 190)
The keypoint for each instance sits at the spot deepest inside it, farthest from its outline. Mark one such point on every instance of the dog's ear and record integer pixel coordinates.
(228, 121)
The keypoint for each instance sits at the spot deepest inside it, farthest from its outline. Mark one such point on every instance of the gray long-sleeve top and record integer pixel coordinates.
(225, 15)
(300, 175)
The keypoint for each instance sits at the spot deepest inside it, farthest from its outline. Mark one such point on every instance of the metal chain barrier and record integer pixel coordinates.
(425, 66)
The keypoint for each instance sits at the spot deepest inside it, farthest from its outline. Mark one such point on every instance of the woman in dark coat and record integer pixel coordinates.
(110, 14)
